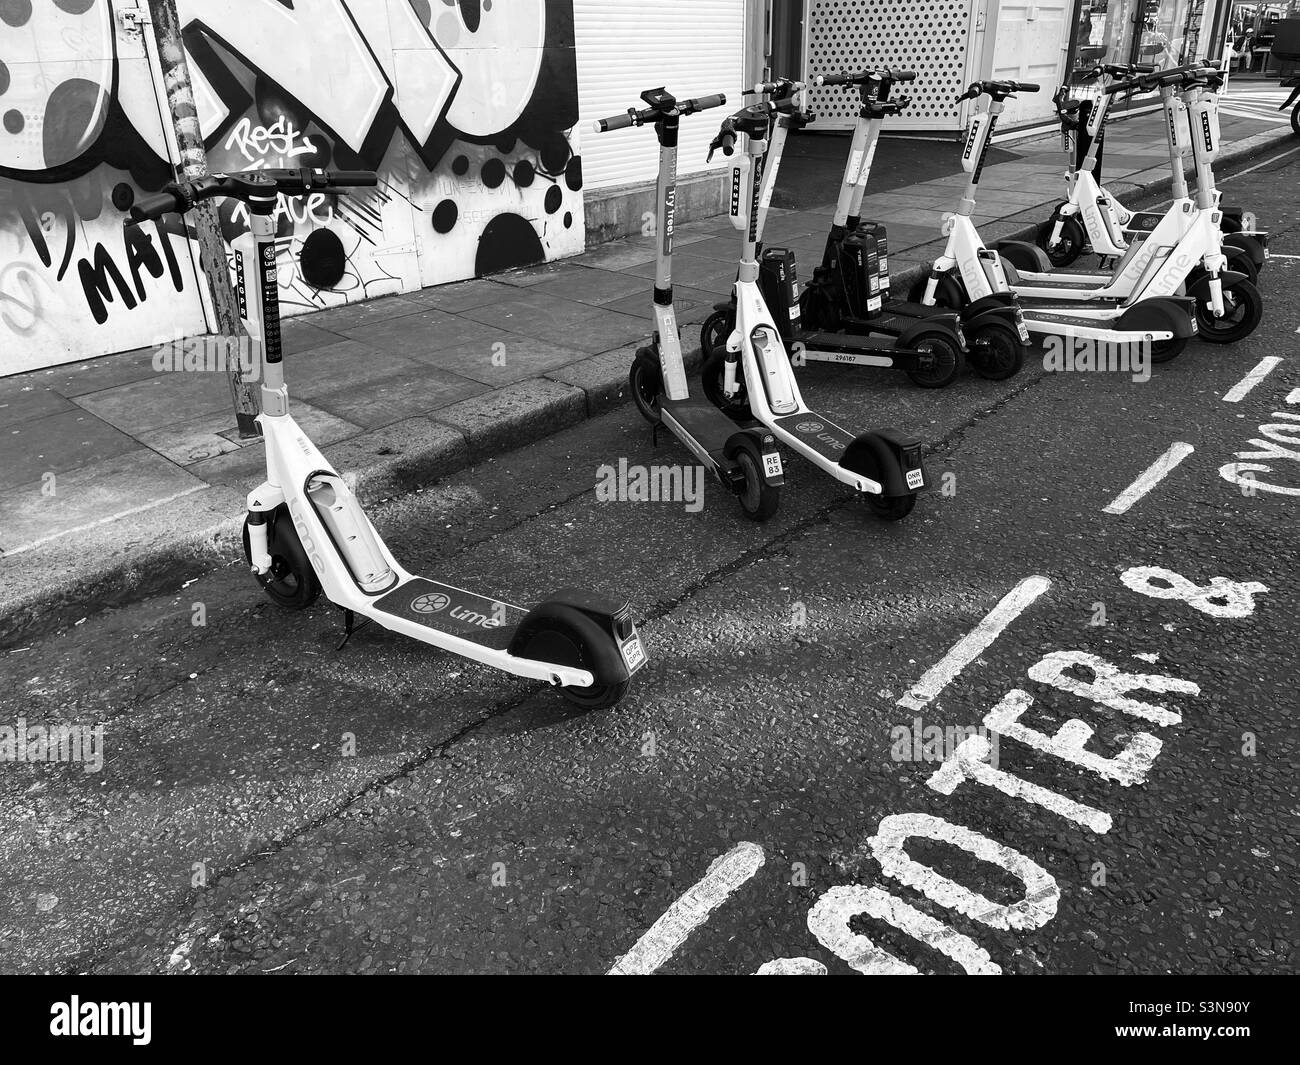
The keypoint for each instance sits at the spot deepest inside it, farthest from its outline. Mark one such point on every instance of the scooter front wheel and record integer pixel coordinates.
(713, 377)
(947, 360)
(646, 381)
(290, 582)
(716, 329)
(1243, 307)
(996, 352)
(1069, 244)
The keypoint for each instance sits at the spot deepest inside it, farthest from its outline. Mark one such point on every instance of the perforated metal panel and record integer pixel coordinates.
(932, 37)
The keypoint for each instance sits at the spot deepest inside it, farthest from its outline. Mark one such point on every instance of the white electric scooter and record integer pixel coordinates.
(306, 532)
(753, 370)
(1093, 218)
(1183, 252)
(968, 271)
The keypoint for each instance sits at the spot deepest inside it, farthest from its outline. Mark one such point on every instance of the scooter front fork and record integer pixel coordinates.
(1213, 264)
(731, 367)
(261, 502)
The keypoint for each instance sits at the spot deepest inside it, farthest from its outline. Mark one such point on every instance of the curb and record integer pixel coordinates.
(394, 460)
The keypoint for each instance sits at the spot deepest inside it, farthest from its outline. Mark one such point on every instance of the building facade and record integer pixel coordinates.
(476, 114)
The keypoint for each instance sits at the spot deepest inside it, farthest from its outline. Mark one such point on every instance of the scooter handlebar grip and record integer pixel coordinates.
(902, 75)
(604, 125)
(172, 198)
(832, 79)
(356, 179)
(1027, 86)
(703, 103)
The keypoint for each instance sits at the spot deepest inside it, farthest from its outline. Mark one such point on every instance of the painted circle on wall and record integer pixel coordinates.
(323, 259)
(445, 215)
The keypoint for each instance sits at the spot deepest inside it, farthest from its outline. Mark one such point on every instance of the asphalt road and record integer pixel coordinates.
(269, 804)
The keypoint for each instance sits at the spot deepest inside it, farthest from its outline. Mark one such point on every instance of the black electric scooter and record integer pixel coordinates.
(928, 348)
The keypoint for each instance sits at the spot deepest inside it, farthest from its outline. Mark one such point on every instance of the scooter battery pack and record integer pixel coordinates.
(876, 230)
(779, 284)
(860, 269)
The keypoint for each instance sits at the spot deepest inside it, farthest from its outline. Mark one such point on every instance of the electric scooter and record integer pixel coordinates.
(745, 458)
(306, 532)
(851, 288)
(752, 376)
(1094, 218)
(929, 348)
(1182, 251)
(967, 271)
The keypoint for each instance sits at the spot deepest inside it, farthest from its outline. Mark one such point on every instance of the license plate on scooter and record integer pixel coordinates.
(772, 465)
(915, 479)
(633, 654)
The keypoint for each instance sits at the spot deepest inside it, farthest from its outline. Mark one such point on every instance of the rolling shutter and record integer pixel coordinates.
(692, 47)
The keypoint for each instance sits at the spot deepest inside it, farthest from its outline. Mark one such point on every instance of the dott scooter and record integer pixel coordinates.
(1093, 218)
(306, 532)
(752, 375)
(744, 459)
(967, 271)
(928, 348)
(1183, 252)
(851, 288)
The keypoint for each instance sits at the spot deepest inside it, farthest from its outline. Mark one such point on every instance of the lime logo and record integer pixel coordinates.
(809, 427)
(429, 603)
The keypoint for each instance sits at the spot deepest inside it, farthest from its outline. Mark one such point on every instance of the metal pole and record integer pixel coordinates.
(175, 74)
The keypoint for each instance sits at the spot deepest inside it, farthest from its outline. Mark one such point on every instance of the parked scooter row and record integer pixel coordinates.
(305, 531)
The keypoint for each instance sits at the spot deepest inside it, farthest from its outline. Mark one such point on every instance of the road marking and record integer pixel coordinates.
(666, 935)
(1251, 170)
(1149, 478)
(103, 521)
(974, 643)
(1294, 395)
(1242, 388)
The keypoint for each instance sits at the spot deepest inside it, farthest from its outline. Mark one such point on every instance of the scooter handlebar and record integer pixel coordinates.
(999, 90)
(658, 110)
(864, 76)
(180, 196)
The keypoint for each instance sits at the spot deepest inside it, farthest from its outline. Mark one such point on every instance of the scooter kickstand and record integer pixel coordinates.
(349, 627)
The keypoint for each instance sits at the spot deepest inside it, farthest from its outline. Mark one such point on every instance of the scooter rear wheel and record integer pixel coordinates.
(996, 352)
(947, 364)
(758, 499)
(291, 582)
(1165, 350)
(891, 508)
(1243, 307)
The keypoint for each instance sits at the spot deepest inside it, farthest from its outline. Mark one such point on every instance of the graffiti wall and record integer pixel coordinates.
(466, 108)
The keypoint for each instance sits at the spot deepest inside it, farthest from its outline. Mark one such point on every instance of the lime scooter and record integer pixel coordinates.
(306, 532)
(928, 347)
(752, 376)
(851, 288)
(1093, 218)
(745, 458)
(967, 271)
(1183, 251)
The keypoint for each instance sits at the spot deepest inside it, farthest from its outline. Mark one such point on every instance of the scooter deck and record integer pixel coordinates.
(816, 432)
(709, 427)
(905, 309)
(863, 350)
(439, 606)
(1025, 286)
